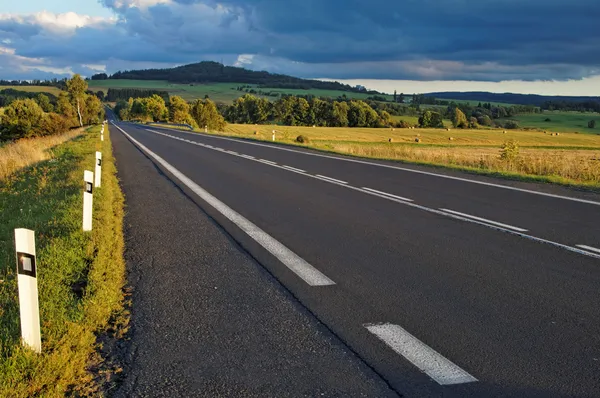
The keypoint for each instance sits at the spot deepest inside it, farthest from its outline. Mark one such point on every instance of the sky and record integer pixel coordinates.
(413, 46)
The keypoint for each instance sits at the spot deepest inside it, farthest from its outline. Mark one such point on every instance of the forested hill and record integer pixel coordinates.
(214, 72)
(510, 98)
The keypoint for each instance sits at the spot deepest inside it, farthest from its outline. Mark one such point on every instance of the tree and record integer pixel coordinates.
(592, 124)
(44, 102)
(395, 96)
(484, 120)
(179, 111)
(431, 119)
(459, 120)
(22, 118)
(205, 113)
(155, 108)
(94, 112)
(65, 108)
(339, 114)
(77, 87)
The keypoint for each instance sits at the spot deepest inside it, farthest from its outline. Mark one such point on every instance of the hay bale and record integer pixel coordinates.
(557, 133)
(255, 132)
(447, 129)
(504, 132)
(450, 138)
(418, 135)
(417, 139)
(390, 140)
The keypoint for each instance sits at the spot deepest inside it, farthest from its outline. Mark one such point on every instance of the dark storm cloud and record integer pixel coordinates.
(409, 39)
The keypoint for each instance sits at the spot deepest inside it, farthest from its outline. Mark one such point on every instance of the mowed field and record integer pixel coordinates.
(569, 158)
(34, 89)
(560, 121)
(219, 92)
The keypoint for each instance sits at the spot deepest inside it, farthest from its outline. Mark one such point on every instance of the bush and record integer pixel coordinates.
(402, 124)
(511, 124)
(592, 124)
(509, 151)
(302, 139)
(484, 120)
(547, 119)
(54, 123)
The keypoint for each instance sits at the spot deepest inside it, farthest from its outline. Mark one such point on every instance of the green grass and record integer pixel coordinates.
(35, 89)
(219, 92)
(81, 275)
(562, 122)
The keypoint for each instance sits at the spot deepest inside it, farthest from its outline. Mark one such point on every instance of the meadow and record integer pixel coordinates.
(561, 122)
(568, 158)
(34, 89)
(218, 92)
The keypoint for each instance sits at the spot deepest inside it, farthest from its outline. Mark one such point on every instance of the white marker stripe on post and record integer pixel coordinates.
(440, 369)
(88, 178)
(98, 171)
(295, 263)
(28, 290)
(485, 220)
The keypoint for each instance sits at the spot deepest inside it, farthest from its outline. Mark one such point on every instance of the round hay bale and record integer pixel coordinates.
(504, 132)
(418, 135)
(450, 138)
(557, 133)
(255, 132)
(390, 140)
(447, 129)
(417, 139)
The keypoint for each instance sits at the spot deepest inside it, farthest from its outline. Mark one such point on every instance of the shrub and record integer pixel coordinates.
(511, 124)
(592, 124)
(484, 120)
(509, 151)
(54, 123)
(547, 119)
(302, 139)
(403, 124)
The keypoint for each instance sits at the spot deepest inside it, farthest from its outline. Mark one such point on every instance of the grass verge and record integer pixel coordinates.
(15, 156)
(80, 275)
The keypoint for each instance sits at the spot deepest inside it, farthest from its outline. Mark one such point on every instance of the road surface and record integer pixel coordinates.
(386, 279)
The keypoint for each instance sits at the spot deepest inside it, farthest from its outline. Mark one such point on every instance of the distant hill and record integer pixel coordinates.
(214, 72)
(509, 98)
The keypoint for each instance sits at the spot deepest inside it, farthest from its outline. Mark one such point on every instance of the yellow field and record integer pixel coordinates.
(493, 138)
(568, 158)
(34, 89)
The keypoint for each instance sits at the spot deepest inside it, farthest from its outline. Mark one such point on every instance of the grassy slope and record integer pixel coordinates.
(220, 92)
(560, 121)
(34, 89)
(81, 275)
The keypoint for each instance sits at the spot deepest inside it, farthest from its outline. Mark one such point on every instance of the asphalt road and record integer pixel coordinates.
(438, 284)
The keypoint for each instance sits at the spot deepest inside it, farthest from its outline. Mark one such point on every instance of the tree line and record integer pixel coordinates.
(116, 94)
(199, 113)
(40, 115)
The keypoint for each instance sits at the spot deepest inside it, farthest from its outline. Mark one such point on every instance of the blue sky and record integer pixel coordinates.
(536, 46)
(89, 7)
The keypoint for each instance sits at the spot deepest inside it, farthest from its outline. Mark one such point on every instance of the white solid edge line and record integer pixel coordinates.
(295, 263)
(490, 184)
(589, 248)
(442, 213)
(331, 179)
(267, 161)
(485, 220)
(294, 169)
(388, 194)
(436, 366)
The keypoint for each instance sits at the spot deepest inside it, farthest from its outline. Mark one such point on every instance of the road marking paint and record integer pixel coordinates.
(387, 166)
(388, 194)
(267, 161)
(485, 220)
(439, 368)
(445, 214)
(295, 263)
(589, 248)
(294, 169)
(331, 179)
(232, 152)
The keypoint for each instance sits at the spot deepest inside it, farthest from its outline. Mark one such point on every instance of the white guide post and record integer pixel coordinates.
(88, 177)
(273, 135)
(98, 171)
(28, 289)
(206, 129)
